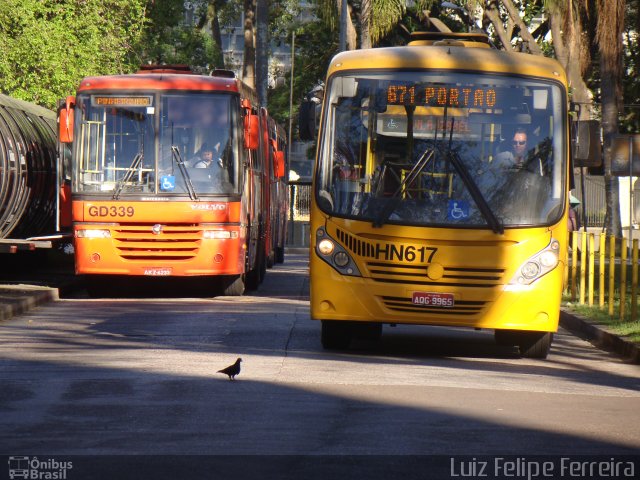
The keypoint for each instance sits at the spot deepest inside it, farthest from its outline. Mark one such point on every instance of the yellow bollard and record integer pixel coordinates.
(623, 276)
(592, 255)
(574, 264)
(583, 266)
(601, 283)
(612, 272)
(634, 281)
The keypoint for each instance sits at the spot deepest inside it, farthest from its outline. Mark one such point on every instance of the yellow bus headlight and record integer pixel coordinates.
(335, 254)
(325, 246)
(538, 265)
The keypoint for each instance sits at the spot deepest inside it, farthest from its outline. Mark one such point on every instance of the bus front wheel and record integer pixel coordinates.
(535, 344)
(335, 335)
(233, 286)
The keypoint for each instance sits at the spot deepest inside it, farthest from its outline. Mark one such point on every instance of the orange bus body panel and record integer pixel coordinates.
(179, 248)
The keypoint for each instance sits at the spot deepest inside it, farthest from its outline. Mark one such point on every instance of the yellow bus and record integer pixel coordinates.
(440, 192)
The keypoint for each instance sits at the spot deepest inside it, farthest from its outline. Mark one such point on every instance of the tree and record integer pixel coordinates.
(249, 66)
(48, 46)
(262, 48)
(169, 38)
(610, 15)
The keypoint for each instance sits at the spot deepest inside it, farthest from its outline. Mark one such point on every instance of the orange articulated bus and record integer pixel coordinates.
(278, 190)
(167, 177)
(440, 192)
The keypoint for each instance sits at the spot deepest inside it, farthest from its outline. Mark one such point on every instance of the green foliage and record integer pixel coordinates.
(49, 45)
(169, 40)
(315, 46)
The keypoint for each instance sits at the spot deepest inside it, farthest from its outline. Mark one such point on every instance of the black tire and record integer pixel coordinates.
(263, 264)
(335, 335)
(506, 338)
(535, 344)
(101, 286)
(279, 254)
(369, 331)
(233, 286)
(252, 277)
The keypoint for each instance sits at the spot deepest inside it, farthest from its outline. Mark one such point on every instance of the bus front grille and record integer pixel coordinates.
(416, 275)
(173, 242)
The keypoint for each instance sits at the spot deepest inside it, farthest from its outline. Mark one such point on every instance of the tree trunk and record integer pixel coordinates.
(569, 39)
(249, 66)
(609, 35)
(365, 24)
(262, 52)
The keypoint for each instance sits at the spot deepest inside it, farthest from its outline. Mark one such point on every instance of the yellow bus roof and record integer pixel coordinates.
(448, 57)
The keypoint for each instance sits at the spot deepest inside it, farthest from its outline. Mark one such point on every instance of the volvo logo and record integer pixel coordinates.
(156, 229)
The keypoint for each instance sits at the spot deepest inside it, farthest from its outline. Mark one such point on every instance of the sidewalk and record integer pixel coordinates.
(17, 298)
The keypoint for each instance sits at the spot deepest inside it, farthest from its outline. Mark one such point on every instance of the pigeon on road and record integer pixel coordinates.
(232, 370)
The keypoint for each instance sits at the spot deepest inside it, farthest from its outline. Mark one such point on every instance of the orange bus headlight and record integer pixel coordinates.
(538, 265)
(219, 234)
(93, 233)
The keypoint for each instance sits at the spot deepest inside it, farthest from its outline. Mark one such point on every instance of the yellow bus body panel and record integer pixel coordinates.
(475, 266)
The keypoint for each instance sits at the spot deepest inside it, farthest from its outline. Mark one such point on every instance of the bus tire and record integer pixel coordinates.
(506, 338)
(535, 344)
(263, 266)
(279, 254)
(368, 331)
(253, 278)
(335, 335)
(233, 286)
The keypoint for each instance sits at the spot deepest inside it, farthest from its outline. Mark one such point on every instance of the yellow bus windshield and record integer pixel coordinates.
(442, 149)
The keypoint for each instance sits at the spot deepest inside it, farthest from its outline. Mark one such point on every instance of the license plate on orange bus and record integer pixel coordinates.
(432, 299)
(158, 272)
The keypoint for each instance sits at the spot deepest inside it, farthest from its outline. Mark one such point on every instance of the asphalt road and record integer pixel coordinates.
(137, 376)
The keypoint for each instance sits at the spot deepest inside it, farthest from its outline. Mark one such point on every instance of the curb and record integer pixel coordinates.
(18, 299)
(599, 337)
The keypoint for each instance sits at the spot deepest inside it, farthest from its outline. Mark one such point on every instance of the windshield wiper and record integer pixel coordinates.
(135, 164)
(476, 194)
(413, 174)
(175, 155)
(471, 185)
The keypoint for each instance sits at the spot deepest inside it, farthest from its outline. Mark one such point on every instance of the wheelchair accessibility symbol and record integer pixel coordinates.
(457, 209)
(167, 182)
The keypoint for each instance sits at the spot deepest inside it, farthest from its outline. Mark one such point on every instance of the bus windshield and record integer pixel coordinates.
(132, 144)
(442, 149)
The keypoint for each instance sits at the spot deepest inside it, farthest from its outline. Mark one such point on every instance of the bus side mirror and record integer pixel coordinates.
(279, 163)
(251, 131)
(586, 144)
(65, 120)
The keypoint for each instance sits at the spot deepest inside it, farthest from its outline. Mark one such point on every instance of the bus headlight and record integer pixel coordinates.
(335, 254)
(219, 234)
(538, 265)
(93, 233)
(530, 270)
(341, 259)
(325, 246)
